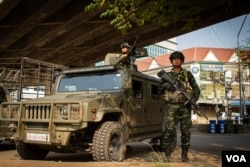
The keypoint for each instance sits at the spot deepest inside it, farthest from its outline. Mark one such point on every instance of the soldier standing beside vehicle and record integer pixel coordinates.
(177, 111)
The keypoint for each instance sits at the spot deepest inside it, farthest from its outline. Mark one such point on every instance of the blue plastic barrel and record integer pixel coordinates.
(221, 126)
(212, 126)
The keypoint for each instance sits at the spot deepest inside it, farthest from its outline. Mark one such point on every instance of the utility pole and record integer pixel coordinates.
(239, 71)
(217, 109)
(228, 93)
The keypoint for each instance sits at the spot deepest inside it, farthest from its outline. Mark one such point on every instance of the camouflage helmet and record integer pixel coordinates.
(125, 45)
(177, 54)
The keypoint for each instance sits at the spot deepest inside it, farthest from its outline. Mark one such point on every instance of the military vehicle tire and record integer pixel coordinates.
(109, 143)
(31, 152)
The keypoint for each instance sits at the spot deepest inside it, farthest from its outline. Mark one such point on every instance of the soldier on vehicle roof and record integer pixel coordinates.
(123, 59)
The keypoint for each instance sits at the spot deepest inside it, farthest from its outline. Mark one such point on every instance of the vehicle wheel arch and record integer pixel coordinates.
(118, 117)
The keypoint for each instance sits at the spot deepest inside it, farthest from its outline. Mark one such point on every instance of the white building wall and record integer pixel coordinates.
(170, 44)
(153, 65)
(210, 57)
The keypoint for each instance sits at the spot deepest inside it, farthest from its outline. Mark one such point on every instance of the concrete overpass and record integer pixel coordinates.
(61, 32)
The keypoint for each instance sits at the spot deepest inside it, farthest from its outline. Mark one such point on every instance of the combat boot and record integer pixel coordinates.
(184, 157)
(168, 154)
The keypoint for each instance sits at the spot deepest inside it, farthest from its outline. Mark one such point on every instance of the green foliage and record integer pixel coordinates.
(127, 14)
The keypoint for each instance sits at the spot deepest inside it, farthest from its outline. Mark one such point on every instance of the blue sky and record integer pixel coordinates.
(221, 35)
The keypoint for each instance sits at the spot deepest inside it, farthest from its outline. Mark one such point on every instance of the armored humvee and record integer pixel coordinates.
(93, 109)
(22, 79)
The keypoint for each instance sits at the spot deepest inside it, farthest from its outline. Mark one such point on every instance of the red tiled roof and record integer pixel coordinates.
(191, 54)
(163, 60)
(223, 54)
(144, 64)
(195, 54)
(200, 53)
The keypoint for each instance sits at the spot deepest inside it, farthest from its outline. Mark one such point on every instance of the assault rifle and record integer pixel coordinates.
(180, 89)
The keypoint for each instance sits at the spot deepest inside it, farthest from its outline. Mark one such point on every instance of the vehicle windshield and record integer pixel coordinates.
(93, 82)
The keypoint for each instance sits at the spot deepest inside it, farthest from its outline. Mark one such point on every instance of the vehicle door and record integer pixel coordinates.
(155, 104)
(136, 105)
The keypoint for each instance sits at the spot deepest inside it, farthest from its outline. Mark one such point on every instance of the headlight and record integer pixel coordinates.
(10, 111)
(64, 111)
(67, 112)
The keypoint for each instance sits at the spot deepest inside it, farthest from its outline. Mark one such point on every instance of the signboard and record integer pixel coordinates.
(195, 70)
(212, 67)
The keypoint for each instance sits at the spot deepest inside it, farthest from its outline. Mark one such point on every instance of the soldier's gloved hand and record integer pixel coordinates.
(168, 86)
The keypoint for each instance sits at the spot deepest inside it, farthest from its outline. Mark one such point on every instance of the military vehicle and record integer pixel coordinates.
(5, 133)
(23, 79)
(93, 109)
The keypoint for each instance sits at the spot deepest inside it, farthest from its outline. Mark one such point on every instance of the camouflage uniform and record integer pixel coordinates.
(176, 110)
(123, 59)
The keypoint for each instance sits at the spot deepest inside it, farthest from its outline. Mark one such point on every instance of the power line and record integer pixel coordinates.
(218, 37)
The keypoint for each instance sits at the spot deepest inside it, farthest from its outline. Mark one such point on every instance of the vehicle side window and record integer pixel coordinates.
(154, 93)
(137, 89)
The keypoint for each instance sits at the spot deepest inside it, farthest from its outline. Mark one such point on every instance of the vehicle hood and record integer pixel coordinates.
(75, 97)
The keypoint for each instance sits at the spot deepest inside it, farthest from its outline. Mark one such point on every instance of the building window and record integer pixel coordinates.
(154, 50)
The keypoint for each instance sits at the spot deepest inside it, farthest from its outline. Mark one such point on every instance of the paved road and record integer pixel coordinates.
(205, 151)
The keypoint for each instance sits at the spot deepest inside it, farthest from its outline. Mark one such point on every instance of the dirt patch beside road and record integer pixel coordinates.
(139, 154)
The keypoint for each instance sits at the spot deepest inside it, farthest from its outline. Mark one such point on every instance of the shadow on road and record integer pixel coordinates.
(6, 145)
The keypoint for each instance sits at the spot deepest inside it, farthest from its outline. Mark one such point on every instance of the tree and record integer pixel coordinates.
(247, 43)
(127, 14)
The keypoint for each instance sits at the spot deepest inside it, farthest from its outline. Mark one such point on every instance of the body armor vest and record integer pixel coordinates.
(179, 98)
